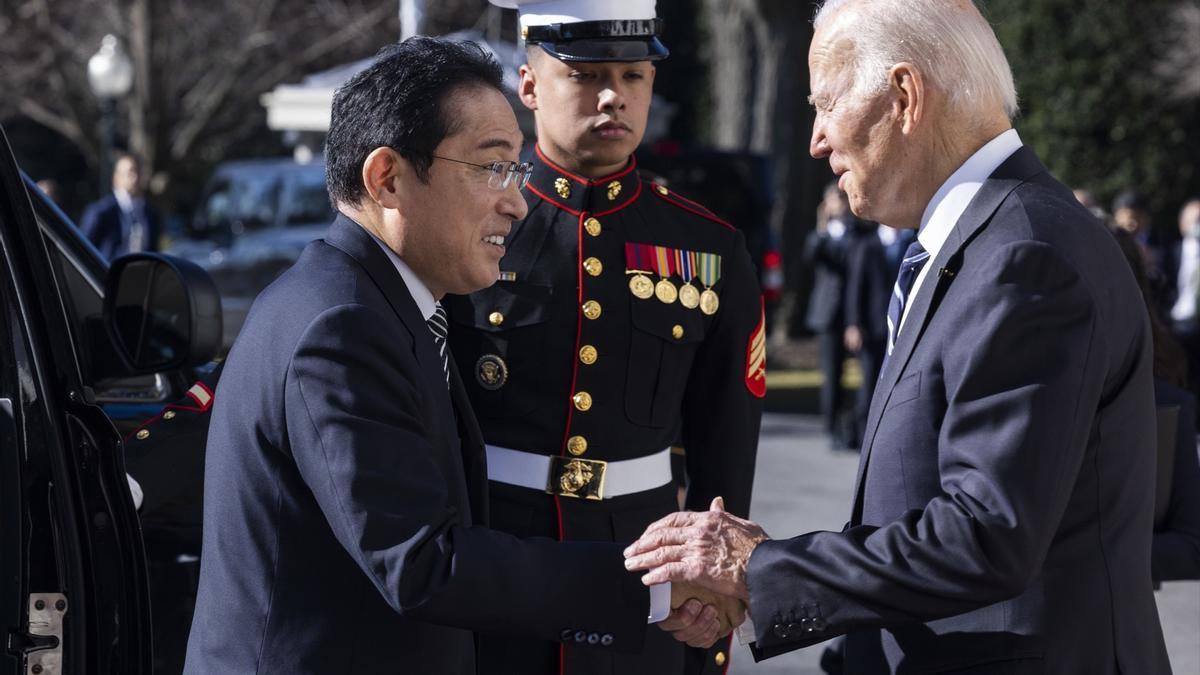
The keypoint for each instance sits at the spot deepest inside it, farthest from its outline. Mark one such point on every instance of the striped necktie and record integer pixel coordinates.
(910, 267)
(440, 329)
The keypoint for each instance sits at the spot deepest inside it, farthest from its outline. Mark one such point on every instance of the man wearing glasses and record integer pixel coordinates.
(345, 504)
(625, 318)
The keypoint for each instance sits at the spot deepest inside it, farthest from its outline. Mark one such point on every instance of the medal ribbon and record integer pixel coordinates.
(709, 268)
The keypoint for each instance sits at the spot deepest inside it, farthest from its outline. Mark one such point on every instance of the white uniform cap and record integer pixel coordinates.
(547, 12)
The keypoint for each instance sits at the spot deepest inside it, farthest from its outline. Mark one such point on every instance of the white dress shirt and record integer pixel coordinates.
(660, 594)
(1187, 282)
(951, 200)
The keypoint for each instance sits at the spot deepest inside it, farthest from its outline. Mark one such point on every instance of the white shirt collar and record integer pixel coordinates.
(420, 292)
(124, 200)
(952, 199)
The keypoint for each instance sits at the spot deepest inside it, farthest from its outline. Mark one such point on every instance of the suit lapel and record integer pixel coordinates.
(351, 238)
(1019, 167)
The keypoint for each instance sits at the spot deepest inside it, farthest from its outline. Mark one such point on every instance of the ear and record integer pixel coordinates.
(527, 89)
(382, 174)
(910, 97)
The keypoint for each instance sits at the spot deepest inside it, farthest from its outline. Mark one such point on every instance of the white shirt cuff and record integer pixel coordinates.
(660, 602)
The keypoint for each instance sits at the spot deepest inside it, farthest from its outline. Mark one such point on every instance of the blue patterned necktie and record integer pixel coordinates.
(440, 329)
(910, 267)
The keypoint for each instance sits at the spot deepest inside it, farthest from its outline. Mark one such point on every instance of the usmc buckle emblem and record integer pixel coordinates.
(491, 372)
(579, 478)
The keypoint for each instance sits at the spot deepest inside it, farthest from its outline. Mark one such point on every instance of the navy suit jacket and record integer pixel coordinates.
(103, 224)
(1002, 516)
(345, 497)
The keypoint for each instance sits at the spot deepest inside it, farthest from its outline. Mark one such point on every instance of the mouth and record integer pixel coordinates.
(496, 240)
(612, 130)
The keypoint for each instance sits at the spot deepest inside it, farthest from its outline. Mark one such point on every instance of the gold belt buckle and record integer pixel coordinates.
(579, 478)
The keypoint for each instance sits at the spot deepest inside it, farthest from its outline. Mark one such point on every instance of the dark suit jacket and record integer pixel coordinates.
(827, 257)
(869, 282)
(1003, 511)
(345, 497)
(103, 224)
(1176, 549)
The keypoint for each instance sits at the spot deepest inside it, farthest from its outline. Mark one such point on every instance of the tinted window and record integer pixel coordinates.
(308, 203)
(243, 202)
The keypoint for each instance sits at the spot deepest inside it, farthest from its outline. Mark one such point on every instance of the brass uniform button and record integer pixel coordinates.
(143, 434)
(719, 659)
(677, 331)
(588, 354)
(577, 445)
(592, 226)
(169, 415)
(662, 190)
(593, 266)
(591, 309)
(495, 318)
(583, 401)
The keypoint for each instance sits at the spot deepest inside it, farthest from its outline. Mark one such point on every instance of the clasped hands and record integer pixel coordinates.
(704, 555)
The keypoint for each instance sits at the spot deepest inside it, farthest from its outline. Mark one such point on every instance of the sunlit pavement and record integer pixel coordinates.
(801, 485)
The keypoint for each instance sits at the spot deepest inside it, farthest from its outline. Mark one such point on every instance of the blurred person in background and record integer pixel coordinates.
(1089, 201)
(1176, 544)
(122, 222)
(1131, 213)
(49, 187)
(825, 253)
(869, 276)
(1183, 272)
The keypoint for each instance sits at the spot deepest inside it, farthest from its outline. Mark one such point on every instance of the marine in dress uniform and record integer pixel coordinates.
(626, 317)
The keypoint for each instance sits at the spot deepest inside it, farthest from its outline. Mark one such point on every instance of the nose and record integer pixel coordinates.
(611, 99)
(818, 146)
(512, 203)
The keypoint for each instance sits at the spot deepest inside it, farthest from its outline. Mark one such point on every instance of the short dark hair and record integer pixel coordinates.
(399, 102)
(1130, 199)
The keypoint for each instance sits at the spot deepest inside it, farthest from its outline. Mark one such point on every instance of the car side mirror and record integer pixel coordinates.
(161, 312)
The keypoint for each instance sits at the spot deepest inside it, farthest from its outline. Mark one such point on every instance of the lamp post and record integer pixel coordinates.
(110, 75)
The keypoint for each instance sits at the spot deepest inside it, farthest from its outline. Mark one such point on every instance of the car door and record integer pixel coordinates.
(72, 569)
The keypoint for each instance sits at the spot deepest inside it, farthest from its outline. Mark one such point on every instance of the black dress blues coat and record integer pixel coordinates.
(662, 374)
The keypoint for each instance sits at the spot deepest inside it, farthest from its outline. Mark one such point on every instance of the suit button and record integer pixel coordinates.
(781, 631)
(806, 625)
(583, 401)
(592, 226)
(606, 640)
(565, 636)
(677, 332)
(591, 309)
(819, 624)
(588, 355)
(577, 445)
(580, 636)
(719, 659)
(594, 639)
(495, 318)
(169, 415)
(593, 266)
(795, 628)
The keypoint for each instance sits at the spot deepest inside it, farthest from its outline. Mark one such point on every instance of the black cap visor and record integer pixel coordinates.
(638, 49)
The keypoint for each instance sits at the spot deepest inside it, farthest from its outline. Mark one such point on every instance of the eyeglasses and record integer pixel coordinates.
(500, 174)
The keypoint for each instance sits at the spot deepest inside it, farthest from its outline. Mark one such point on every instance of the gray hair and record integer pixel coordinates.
(956, 49)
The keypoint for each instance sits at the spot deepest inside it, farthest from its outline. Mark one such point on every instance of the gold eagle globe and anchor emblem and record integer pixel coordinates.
(614, 189)
(575, 476)
(563, 187)
(491, 372)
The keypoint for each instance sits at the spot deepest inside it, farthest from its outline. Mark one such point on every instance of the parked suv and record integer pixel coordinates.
(86, 352)
(254, 219)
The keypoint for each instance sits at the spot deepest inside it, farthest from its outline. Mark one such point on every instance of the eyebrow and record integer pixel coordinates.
(495, 143)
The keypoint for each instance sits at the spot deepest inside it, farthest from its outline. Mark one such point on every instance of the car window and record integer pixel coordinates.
(248, 201)
(308, 200)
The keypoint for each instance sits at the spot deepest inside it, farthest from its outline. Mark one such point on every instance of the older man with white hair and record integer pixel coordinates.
(1001, 521)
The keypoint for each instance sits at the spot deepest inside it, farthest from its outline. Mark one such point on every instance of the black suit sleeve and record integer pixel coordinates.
(359, 430)
(1011, 442)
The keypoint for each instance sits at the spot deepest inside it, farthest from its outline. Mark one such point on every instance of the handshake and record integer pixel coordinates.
(704, 555)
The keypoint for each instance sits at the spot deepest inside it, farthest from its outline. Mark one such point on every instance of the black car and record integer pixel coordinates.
(89, 351)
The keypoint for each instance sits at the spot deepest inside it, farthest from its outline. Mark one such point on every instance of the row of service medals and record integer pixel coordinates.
(642, 260)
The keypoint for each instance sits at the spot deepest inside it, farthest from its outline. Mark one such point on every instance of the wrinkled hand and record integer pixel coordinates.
(709, 549)
(700, 617)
